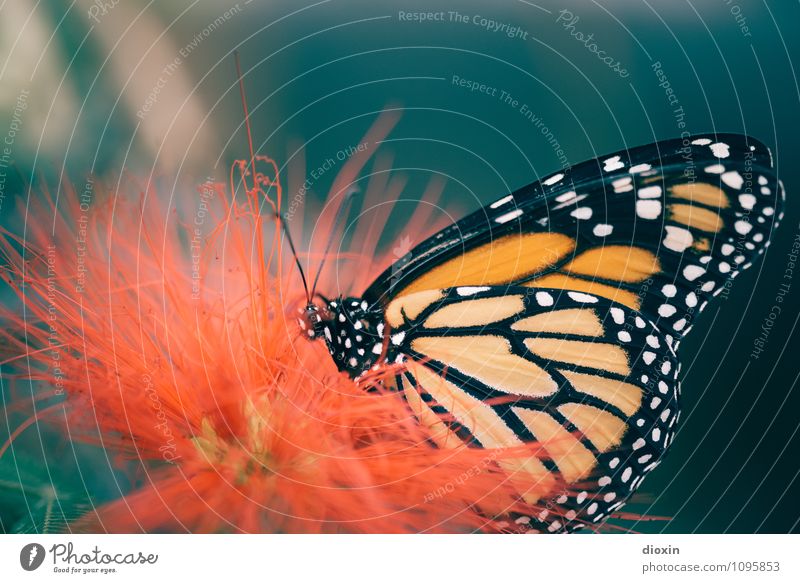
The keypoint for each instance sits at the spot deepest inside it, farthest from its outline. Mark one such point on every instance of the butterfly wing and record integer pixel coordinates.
(659, 229)
(588, 379)
(552, 315)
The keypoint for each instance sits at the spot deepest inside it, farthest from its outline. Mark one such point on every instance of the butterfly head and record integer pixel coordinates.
(352, 331)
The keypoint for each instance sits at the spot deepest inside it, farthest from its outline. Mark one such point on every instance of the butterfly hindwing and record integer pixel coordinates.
(659, 229)
(588, 379)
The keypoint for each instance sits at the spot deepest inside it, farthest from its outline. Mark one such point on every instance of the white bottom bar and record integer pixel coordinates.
(422, 558)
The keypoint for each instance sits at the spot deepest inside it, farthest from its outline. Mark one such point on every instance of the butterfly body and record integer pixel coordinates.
(554, 315)
(353, 333)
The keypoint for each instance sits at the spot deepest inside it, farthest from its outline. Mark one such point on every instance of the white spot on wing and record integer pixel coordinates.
(648, 209)
(665, 311)
(544, 299)
(692, 272)
(748, 201)
(508, 216)
(602, 230)
(581, 297)
(471, 291)
(677, 239)
(640, 168)
(501, 202)
(720, 150)
(733, 179)
(624, 184)
(553, 179)
(571, 201)
(649, 192)
(612, 164)
(582, 213)
(626, 474)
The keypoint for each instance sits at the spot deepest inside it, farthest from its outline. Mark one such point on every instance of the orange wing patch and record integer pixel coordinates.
(490, 360)
(702, 193)
(602, 428)
(574, 461)
(478, 417)
(615, 262)
(501, 261)
(696, 217)
(624, 396)
(412, 305)
(483, 422)
(441, 434)
(598, 355)
(584, 322)
(478, 312)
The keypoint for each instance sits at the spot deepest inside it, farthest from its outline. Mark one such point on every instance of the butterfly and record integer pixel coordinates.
(554, 315)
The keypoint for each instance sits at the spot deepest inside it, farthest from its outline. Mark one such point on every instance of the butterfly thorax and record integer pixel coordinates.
(352, 331)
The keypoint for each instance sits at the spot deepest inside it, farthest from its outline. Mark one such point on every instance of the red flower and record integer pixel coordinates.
(171, 333)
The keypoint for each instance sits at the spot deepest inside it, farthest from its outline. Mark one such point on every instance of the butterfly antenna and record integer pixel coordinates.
(340, 214)
(246, 116)
(281, 218)
(285, 227)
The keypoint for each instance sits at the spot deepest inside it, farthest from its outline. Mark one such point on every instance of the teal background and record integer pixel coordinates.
(318, 74)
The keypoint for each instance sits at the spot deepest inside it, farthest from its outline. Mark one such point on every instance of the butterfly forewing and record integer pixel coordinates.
(659, 229)
(588, 379)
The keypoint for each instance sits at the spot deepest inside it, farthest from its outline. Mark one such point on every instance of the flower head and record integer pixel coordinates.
(167, 337)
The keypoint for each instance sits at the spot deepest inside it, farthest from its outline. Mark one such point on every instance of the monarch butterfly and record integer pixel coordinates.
(554, 314)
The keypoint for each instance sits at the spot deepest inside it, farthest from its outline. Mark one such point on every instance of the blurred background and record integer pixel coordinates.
(494, 95)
